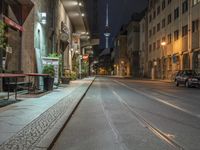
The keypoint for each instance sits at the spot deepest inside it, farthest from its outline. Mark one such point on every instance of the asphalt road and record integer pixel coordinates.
(119, 114)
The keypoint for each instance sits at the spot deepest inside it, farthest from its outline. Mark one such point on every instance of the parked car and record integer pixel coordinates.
(188, 78)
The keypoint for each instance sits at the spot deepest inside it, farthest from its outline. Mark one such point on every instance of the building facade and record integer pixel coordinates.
(143, 50)
(37, 28)
(121, 61)
(133, 45)
(173, 37)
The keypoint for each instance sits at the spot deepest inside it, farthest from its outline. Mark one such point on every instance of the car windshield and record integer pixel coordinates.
(191, 73)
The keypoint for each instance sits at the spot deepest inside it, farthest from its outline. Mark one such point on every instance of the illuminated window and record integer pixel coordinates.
(176, 35)
(169, 38)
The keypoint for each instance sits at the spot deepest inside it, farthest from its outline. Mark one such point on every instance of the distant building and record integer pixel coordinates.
(133, 44)
(143, 50)
(121, 61)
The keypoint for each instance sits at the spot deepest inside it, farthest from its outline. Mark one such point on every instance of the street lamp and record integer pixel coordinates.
(163, 44)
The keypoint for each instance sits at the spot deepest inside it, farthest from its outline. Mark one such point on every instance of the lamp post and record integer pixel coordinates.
(163, 44)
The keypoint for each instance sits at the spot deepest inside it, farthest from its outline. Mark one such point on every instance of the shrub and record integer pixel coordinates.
(49, 69)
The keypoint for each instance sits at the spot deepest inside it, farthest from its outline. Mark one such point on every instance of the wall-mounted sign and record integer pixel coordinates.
(85, 57)
(12, 23)
(9, 49)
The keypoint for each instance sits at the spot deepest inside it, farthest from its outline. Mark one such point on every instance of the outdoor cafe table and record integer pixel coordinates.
(14, 76)
(35, 75)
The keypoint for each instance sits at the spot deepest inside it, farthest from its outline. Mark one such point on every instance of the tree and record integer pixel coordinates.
(2, 35)
(2, 42)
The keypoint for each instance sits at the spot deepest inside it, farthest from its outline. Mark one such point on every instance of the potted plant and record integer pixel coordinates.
(49, 80)
(66, 78)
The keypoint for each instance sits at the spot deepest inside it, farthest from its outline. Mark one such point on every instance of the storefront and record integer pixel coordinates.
(13, 14)
(196, 61)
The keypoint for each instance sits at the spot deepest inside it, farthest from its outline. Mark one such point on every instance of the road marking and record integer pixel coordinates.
(163, 136)
(160, 100)
(114, 130)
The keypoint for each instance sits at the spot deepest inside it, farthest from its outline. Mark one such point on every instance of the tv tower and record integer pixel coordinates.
(107, 29)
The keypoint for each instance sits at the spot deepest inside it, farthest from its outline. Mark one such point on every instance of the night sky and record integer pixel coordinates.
(120, 12)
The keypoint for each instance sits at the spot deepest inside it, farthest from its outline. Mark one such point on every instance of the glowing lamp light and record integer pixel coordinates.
(82, 14)
(163, 43)
(80, 4)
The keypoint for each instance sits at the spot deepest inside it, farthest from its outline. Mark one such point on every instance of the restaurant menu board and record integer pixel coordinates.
(55, 63)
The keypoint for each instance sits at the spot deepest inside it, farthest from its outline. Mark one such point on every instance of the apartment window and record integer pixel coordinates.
(154, 45)
(169, 38)
(158, 10)
(195, 25)
(176, 35)
(150, 33)
(176, 13)
(169, 1)
(158, 44)
(150, 18)
(154, 30)
(169, 19)
(163, 39)
(163, 23)
(184, 30)
(150, 48)
(154, 14)
(194, 2)
(185, 6)
(163, 4)
(158, 27)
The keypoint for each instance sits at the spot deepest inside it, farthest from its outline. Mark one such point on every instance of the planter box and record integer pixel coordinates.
(65, 80)
(48, 83)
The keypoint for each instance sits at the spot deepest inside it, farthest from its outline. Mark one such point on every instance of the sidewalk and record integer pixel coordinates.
(34, 123)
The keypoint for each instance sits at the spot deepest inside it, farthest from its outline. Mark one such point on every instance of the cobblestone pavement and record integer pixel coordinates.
(29, 136)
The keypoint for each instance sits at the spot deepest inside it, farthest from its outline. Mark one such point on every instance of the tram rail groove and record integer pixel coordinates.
(149, 125)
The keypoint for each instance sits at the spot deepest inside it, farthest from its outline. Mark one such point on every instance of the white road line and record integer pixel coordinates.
(160, 100)
(148, 125)
(114, 130)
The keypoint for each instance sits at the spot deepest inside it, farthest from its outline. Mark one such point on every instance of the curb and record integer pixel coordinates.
(56, 131)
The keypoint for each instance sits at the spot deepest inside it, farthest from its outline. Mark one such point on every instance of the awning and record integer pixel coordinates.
(21, 9)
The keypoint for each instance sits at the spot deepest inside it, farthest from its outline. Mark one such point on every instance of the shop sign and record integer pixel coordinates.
(9, 49)
(12, 24)
(199, 56)
(85, 57)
